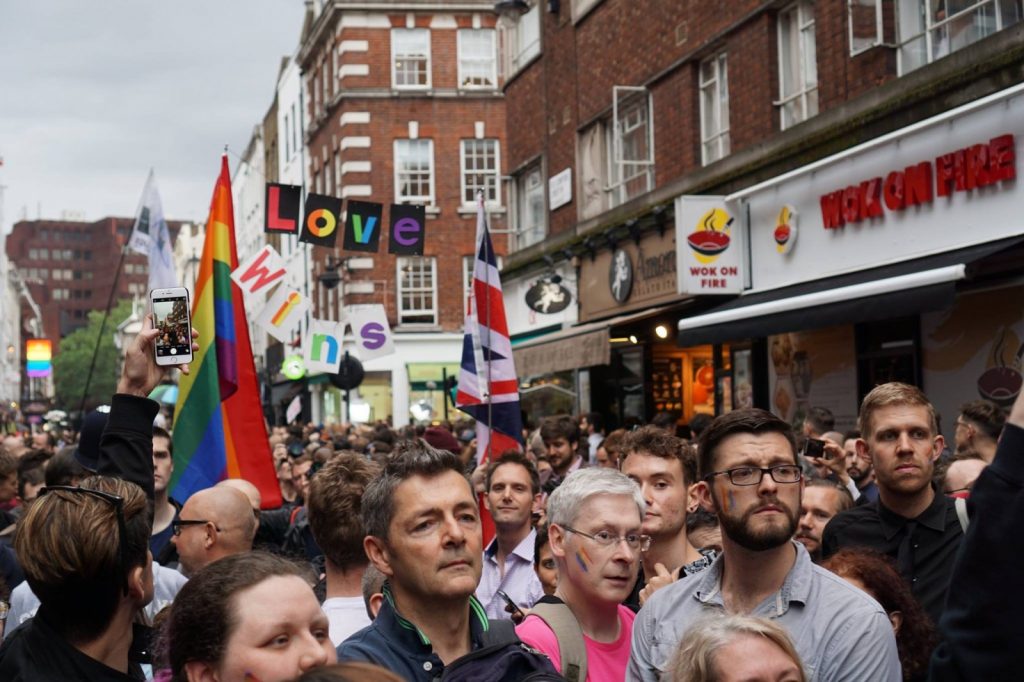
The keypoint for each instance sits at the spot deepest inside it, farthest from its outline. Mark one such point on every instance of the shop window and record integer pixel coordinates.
(410, 57)
(478, 65)
(714, 109)
(932, 29)
(520, 40)
(480, 165)
(414, 172)
(798, 64)
(531, 216)
(417, 290)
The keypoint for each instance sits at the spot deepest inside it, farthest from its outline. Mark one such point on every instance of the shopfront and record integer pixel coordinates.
(899, 259)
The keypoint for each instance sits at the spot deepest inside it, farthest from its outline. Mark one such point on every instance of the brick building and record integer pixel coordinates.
(404, 107)
(70, 266)
(625, 110)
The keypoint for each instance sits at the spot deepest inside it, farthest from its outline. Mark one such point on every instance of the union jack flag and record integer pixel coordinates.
(488, 388)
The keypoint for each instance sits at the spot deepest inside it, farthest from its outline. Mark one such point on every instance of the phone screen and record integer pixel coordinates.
(170, 315)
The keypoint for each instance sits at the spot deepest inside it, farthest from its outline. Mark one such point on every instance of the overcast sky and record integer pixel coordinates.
(95, 93)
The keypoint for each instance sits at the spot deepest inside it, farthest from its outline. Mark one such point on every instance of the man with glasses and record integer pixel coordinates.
(214, 523)
(751, 480)
(595, 518)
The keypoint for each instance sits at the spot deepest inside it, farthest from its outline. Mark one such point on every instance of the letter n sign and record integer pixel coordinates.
(408, 230)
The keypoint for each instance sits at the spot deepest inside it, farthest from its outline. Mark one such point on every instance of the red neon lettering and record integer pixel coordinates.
(892, 191)
(918, 184)
(851, 204)
(944, 175)
(1002, 158)
(832, 210)
(977, 166)
(960, 170)
(870, 205)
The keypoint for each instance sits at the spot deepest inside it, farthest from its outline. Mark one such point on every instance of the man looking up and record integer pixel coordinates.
(661, 465)
(335, 495)
(422, 532)
(595, 537)
(561, 438)
(822, 499)
(214, 523)
(512, 488)
(978, 428)
(750, 478)
(910, 522)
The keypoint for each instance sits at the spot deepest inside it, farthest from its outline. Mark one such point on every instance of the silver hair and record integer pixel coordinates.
(582, 484)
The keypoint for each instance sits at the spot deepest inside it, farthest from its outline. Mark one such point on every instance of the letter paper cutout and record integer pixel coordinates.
(322, 347)
(371, 332)
(320, 224)
(283, 313)
(260, 273)
(363, 226)
(408, 232)
(282, 213)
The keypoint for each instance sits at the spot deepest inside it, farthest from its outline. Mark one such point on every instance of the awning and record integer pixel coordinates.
(584, 345)
(908, 288)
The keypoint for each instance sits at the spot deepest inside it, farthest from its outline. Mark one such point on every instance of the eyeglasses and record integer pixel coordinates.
(178, 524)
(118, 502)
(607, 539)
(782, 473)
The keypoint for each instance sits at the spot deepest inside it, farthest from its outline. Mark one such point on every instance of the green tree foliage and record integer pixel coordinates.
(71, 362)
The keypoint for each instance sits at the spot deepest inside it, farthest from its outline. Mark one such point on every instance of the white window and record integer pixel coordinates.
(531, 213)
(581, 7)
(468, 265)
(480, 163)
(410, 57)
(520, 40)
(714, 109)
(325, 73)
(33, 254)
(932, 29)
(798, 64)
(630, 140)
(296, 123)
(417, 290)
(316, 96)
(414, 172)
(478, 64)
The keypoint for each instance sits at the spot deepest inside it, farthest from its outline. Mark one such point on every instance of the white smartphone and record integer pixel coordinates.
(172, 316)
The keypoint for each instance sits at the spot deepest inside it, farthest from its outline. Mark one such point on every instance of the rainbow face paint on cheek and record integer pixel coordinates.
(583, 559)
(731, 501)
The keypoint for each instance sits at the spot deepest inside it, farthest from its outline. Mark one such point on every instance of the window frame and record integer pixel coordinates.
(921, 8)
(616, 180)
(720, 82)
(460, 58)
(394, 59)
(402, 312)
(496, 173)
(805, 90)
(418, 199)
(521, 205)
(515, 54)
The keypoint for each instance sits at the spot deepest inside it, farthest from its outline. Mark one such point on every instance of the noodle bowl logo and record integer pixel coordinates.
(712, 236)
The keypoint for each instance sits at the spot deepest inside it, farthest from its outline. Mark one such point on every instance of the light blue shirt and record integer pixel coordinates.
(839, 631)
(520, 582)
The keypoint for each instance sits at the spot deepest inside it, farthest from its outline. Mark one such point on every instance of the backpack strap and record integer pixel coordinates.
(571, 647)
(961, 513)
(499, 632)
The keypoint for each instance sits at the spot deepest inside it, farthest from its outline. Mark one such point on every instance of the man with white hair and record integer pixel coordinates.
(594, 517)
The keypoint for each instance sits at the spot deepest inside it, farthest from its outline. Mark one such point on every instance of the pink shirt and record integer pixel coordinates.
(606, 662)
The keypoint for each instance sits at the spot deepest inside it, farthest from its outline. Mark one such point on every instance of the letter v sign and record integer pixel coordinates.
(357, 228)
(361, 221)
(260, 272)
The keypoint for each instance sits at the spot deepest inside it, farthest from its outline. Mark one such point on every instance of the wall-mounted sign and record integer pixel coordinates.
(785, 229)
(620, 276)
(560, 189)
(711, 258)
(547, 297)
(963, 170)
(652, 263)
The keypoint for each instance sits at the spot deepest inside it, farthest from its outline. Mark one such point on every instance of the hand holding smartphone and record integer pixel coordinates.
(512, 607)
(172, 319)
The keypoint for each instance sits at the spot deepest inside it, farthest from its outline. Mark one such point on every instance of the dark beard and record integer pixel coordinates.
(738, 531)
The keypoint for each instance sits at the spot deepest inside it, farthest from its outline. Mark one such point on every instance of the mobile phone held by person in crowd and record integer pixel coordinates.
(511, 607)
(171, 317)
(815, 448)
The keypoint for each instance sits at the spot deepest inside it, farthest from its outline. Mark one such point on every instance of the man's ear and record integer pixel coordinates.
(896, 618)
(137, 583)
(197, 671)
(863, 451)
(937, 447)
(556, 539)
(376, 600)
(378, 554)
(487, 501)
(701, 493)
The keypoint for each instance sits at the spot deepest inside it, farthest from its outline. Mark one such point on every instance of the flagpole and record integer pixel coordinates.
(490, 350)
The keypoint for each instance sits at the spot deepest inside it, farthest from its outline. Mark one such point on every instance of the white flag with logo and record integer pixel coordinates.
(151, 237)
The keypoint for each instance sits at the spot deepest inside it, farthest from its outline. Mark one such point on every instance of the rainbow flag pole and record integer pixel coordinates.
(219, 431)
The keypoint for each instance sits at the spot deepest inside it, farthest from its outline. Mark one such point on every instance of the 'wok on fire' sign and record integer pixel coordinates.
(708, 246)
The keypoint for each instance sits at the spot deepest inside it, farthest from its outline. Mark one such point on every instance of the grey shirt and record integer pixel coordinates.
(839, 631)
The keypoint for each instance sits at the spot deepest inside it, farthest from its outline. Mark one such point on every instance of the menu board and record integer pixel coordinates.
(667, 385)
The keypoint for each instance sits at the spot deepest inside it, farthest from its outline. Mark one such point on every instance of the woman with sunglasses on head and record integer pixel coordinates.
(85, 553)
(246, 618)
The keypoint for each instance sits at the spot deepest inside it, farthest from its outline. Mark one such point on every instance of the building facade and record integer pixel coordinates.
(404, 107)
(648, 136)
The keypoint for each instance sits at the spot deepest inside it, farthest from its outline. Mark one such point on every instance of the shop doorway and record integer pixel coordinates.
(888, 350)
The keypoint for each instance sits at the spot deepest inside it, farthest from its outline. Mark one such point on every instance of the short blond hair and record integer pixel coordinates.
(695, 659)
(888, 395)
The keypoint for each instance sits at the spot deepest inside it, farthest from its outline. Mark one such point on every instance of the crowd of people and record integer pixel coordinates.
(734, 548)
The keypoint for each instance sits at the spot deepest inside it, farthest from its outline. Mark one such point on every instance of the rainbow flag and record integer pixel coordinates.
(219, 430)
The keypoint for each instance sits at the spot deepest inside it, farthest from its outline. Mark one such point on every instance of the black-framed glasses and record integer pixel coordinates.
(780, 473)
(118, 502)
(178, 524)
(605, 538)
